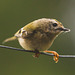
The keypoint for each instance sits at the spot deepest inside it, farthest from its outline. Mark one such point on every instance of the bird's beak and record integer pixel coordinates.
(63, 29)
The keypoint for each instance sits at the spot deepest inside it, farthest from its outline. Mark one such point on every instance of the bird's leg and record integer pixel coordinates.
(56, 55)
(37, 53)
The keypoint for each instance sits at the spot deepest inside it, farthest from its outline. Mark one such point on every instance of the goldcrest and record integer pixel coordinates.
(39, 35)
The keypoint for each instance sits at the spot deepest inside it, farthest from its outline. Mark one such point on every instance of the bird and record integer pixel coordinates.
(39, 35)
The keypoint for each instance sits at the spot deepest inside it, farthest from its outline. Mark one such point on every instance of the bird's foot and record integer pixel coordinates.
(56, 55)
(37, 53)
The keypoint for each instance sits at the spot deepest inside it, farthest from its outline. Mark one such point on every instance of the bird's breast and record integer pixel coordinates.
(37, 42)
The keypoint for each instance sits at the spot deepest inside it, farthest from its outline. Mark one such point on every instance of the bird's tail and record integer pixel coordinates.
(9, 39)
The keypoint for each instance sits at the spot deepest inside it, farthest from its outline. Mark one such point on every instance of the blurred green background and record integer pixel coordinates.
(14, 14)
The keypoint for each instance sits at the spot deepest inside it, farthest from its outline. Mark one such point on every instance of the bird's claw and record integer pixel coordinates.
(56, 55)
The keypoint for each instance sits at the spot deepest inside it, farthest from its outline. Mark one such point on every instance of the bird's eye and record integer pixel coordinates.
(20, 31)
(55, 24)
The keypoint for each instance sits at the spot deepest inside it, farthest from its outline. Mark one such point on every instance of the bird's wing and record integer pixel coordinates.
(27, 30)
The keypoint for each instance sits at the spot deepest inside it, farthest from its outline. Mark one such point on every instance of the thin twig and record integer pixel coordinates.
(17, 49)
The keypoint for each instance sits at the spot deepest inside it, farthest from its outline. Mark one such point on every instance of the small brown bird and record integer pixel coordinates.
(39, 35)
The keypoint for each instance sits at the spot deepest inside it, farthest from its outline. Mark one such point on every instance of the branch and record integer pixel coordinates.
(17, 49)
